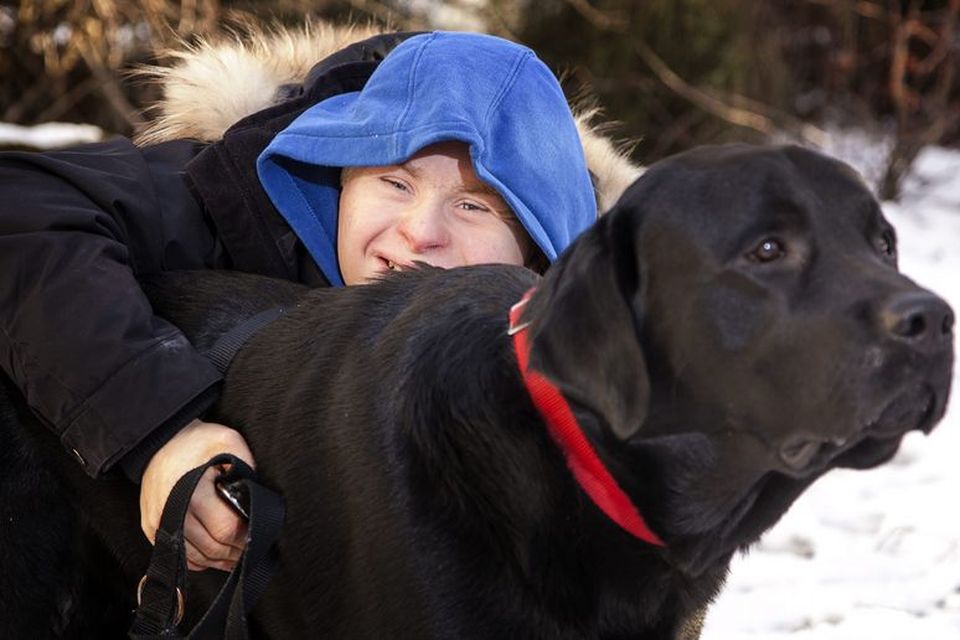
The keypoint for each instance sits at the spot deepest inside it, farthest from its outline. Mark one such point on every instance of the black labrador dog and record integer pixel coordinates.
(732, 330)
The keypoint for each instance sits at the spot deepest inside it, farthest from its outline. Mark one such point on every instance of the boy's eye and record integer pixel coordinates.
(472, 206)
(396, 184)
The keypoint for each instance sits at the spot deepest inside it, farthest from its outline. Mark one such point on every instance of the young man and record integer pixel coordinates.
(456, 149)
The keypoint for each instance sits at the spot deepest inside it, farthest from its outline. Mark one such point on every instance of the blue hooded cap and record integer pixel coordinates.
(492, 94)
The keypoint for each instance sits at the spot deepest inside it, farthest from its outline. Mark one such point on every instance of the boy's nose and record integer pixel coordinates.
(423, 228)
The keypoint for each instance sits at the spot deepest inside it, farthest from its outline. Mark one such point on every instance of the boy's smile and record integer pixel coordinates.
(431, 208)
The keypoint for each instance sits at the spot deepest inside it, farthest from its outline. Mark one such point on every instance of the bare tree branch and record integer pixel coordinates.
(749, 119)
(944, 42)
(67, 101)
(602, 20)
(864, 8)
(379, 10)
(757, 117)
(109, 87)
(922, 119)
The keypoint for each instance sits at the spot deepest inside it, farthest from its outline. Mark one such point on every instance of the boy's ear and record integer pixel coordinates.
(583, 328)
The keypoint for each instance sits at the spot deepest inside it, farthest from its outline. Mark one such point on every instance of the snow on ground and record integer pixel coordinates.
(872, 555)
(49, 135)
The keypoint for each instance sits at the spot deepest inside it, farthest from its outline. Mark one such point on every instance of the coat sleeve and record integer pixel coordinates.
(77, 335)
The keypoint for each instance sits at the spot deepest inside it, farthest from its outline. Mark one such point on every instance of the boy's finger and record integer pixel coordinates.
(209, 551)
(205, 563)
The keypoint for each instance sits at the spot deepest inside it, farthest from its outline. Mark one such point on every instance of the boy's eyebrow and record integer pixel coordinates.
(482, 188)
(412, 170)
(478, 188)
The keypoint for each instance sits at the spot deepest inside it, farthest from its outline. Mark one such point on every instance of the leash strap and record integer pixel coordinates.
(161, 591)
(227, 345)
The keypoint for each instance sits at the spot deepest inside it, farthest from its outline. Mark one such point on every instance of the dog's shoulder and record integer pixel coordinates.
(205, 304)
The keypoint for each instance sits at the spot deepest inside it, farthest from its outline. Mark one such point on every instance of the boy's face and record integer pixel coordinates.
(431, 208)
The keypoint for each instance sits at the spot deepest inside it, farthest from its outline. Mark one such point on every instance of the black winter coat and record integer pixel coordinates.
(79, 226)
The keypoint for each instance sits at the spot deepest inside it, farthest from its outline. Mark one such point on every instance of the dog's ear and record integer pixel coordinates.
(584, 330)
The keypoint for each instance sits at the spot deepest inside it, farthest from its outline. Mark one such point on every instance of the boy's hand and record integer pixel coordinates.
(215, 534)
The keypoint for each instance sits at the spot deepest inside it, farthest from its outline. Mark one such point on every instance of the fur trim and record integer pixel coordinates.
(215, 82)
(610, 165)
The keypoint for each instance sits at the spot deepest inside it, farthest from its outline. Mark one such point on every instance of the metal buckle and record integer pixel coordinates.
(234, 496)
(514, 329)
(180, 602)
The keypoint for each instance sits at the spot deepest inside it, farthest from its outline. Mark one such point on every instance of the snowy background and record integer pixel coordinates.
(871, 555)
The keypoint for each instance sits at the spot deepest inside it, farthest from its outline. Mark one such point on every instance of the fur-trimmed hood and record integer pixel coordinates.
(213, 83)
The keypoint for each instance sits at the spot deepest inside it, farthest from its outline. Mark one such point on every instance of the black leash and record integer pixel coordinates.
(161, 591)
(227, 345)
(161, 600)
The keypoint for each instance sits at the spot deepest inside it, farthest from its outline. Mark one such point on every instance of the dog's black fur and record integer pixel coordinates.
(735, 328)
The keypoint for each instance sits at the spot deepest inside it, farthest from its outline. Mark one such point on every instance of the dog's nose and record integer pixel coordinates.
(918, 318)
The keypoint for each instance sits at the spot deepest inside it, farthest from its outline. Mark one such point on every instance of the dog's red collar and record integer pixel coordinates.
(590, 472)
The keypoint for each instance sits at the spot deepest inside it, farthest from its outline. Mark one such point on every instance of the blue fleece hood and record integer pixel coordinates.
(492, 94)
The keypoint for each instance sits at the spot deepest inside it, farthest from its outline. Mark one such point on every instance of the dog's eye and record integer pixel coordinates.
(887, 244)
(768, 250)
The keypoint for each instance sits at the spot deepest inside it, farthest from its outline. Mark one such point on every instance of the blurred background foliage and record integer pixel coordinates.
(671, 73)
